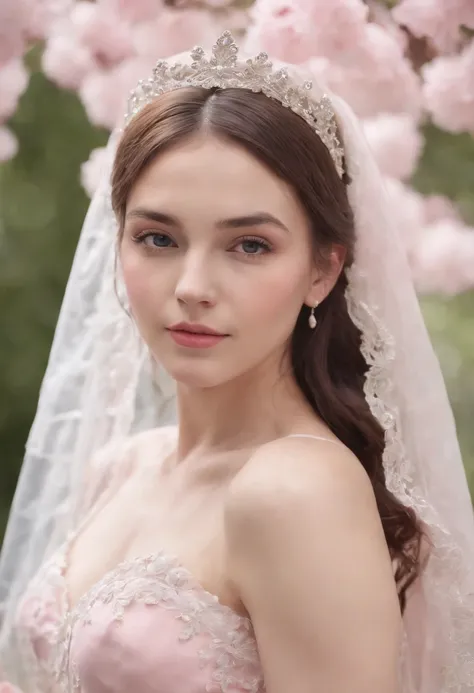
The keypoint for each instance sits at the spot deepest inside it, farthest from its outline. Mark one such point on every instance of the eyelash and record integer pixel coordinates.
(266, 247)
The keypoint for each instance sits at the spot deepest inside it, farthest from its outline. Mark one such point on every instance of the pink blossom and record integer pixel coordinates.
(173, 32)
(8, 149)
(439, 20)
(13, 82)
(66, 59)
(101, 98)
(81, 14)
(336, 26)
(12, 21)
(378, 78)
(92, 171)
(448, 90)
(105, 35)
(66, 62)
(134, 11)
(396, 143)
(104, 93)
(383, 16)
(41, 16)
(282, 29)
(297, 30)
(443, 261)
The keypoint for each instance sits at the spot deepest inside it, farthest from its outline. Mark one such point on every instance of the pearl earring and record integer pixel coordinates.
(312, 318)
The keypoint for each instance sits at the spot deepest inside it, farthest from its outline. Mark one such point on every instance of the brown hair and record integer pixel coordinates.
(327, 361)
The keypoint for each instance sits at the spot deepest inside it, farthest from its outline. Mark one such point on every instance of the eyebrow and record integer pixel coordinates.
(254, 219)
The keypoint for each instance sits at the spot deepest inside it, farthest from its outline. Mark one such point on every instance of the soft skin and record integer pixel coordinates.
(303, 543)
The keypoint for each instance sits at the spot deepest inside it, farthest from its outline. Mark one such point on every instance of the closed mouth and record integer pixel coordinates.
(196, 329)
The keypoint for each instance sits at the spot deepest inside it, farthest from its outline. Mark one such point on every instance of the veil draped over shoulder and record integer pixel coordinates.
(99, 389)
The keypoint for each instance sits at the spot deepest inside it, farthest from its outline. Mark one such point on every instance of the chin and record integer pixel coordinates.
(201, 375)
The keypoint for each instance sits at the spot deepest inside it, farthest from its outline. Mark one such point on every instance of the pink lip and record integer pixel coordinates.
(196, 328)
(195, 340)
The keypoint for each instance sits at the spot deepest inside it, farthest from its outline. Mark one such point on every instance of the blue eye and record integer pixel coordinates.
(155, 240)
(254, 246)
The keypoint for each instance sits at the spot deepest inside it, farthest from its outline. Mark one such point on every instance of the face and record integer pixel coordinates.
(213, 238)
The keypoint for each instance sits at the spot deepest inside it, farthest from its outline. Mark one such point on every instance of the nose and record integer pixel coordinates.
(194, 285)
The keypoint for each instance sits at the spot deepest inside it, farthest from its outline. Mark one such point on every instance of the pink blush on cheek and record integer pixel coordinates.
(277, 296)
(136, 275)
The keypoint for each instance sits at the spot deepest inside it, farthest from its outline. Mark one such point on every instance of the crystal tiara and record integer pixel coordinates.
(223, 70)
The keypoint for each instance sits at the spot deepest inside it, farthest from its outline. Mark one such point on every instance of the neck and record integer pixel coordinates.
(256, 407)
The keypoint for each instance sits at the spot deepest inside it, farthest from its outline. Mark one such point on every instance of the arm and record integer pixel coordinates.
(309, 558)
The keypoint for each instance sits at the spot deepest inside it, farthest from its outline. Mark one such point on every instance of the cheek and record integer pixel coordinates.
(140, 283)
(279, 295)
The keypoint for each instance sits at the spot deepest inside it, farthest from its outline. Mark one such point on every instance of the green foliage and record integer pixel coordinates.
(42, 207)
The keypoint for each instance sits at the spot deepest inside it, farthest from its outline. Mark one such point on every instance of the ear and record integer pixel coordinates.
(323, 282)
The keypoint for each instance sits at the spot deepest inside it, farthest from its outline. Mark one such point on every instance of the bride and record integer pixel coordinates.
(243, 474)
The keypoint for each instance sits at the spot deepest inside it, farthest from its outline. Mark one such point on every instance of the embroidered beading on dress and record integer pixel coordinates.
(159, 580)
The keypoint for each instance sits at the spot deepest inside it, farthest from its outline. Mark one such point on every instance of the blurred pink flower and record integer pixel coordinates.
(440, 20)
(378, 78)
(297, 30)
(448, 90)
(104, 93)
(338, 26)
(282, 29)
(106, 35)
(382, 15)
(396, 143)
(41, 16)
(175, 31)
(80, 15)
(13, 82)
(12, 25)
(134, 11)
(66, 62)
(92, 170)
(443, 261)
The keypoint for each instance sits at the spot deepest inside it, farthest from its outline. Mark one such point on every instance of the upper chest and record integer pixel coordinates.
(157, 513)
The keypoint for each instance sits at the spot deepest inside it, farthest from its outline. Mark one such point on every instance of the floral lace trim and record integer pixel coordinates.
(159, 579)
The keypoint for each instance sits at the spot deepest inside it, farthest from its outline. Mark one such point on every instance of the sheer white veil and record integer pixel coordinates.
(99, 389)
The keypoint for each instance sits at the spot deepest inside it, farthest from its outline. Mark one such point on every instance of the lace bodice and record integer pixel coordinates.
(148, 625)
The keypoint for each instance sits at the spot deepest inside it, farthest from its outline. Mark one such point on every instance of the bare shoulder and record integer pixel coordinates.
(308, 557)
(290, 472)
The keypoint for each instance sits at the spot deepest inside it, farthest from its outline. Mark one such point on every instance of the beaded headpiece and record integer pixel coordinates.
(223, 70)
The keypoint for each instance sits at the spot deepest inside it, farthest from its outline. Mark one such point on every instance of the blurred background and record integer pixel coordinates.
(43, 203)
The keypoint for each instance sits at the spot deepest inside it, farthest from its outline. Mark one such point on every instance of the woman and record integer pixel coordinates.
(298, 529)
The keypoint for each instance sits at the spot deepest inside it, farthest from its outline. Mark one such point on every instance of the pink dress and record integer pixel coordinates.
(147, 627)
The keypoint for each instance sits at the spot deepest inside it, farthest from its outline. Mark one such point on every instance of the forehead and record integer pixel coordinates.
(220, 178)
